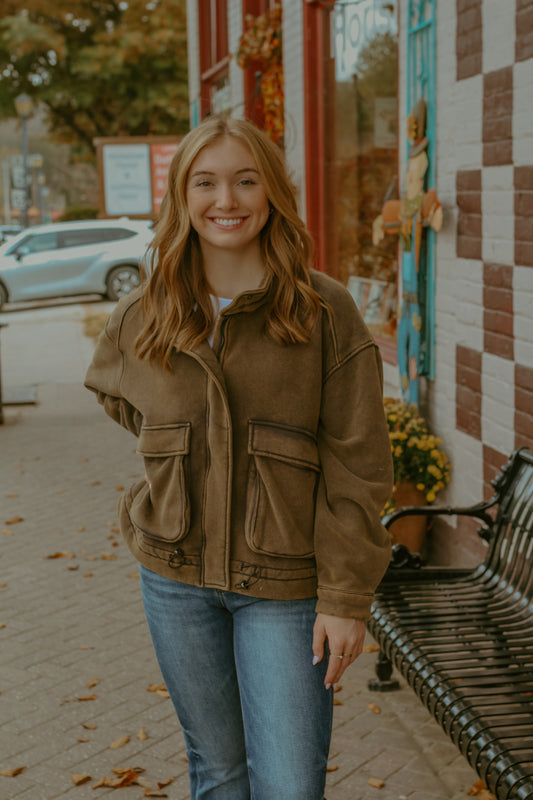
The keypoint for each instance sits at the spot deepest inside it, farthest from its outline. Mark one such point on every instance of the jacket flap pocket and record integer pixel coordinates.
(284, 443)
(159, 441)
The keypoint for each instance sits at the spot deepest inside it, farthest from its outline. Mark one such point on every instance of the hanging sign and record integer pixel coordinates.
(132, 173)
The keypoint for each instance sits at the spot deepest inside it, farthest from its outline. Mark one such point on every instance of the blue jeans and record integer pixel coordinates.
(253, 709)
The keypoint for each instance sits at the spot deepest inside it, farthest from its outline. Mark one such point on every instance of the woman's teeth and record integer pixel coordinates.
(228, 223)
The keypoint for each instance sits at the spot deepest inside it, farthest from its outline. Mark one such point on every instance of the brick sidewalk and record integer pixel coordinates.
(73, 625)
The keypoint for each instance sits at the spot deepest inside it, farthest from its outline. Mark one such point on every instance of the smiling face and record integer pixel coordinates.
(227, 203)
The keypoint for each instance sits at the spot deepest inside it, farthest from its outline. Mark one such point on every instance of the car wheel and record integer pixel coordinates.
(121, 281)
(3, 295)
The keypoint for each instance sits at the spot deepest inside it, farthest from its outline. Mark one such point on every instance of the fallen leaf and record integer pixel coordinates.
(86, 647)
(119, 743)
(91, 558)
(371, 648)
(376, 783)
(154, 793)
(337, 702)
(162, 784)
(125, 770)
(133, 575)
(3, 624)
(96, 483)
(115, 544)
(3, 585)
(88, 575)
(74, 568)
(83, 739)
(156, 687)
(79, 780)
(480, 790)
(117, 783)
(119, 488)
(92, 682)
(81, 699)
(83, 460)
(14, 520)
(374, 708)
(332, 767)
(108, 557)
(142, 736)
(89, 726)
(62, 554)
(81, 528)
(12, 495)
(126, 777)
(7, 532)
(11, 773)
(337, 688)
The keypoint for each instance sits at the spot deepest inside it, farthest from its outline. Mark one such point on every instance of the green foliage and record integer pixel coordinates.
(79, 212)
(101, 67)
(377, 66)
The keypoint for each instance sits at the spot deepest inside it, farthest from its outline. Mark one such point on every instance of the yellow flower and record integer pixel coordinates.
(420, 487)
(430, 497)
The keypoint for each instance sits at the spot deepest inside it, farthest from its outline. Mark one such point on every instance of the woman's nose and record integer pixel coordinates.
(225, 197)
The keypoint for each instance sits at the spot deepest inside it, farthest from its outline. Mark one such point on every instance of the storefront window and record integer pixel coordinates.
(364, 156)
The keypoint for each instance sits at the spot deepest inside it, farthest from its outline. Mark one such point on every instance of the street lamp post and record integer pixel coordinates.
(24, 108)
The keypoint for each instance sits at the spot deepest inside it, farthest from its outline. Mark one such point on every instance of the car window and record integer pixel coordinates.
(37, 243)
(78, 236)
(114, 234)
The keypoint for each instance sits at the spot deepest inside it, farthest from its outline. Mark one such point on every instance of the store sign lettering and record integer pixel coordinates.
(354, 24)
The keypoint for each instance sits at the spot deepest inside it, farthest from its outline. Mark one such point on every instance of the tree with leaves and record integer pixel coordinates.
(99, 67)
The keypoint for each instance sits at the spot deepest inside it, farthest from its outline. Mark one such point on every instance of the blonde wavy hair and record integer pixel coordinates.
(177, 308)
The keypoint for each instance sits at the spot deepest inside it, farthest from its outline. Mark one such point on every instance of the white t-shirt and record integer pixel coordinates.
(218, 304)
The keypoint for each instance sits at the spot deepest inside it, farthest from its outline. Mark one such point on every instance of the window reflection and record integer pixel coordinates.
(365, 154)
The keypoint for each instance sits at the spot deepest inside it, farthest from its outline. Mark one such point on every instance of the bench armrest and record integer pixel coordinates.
(478, 511)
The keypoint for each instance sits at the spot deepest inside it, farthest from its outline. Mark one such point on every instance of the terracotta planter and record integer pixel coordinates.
(410, 531)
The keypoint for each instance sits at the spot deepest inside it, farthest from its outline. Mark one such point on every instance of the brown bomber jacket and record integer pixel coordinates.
(268, 464)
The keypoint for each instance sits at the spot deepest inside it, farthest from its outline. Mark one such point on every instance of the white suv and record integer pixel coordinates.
(72, 258)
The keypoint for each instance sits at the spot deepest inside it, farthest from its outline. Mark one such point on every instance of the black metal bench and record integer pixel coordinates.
(463, 639)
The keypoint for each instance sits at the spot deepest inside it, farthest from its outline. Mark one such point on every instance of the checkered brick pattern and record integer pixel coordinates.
(494, 195)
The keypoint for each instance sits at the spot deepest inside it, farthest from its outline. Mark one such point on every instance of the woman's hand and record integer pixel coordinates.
(345, 640)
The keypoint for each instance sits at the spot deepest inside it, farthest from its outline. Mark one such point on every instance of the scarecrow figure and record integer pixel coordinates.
(407, 218)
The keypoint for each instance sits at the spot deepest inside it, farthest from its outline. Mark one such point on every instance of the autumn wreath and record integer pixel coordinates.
(260, 49)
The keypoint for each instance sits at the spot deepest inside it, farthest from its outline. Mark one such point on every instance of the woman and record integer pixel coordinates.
(254, 389)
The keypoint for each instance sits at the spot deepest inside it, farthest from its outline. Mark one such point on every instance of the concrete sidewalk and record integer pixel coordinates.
(77, 671)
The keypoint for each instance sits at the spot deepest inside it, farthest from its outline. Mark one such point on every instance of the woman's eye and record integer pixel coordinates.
(247, 182)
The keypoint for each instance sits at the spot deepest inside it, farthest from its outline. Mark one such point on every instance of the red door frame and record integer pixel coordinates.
(317, 115)
(213, 47)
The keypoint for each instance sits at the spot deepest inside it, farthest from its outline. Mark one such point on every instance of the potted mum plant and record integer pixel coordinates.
(421, 470)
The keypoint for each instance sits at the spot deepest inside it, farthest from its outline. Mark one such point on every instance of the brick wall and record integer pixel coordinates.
(485, 313)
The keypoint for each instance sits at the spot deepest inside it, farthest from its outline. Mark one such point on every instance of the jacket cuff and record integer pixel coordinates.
(344, 604)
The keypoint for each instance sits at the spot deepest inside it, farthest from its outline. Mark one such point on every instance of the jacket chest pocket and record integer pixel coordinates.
(161, 506)
(281, 491)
